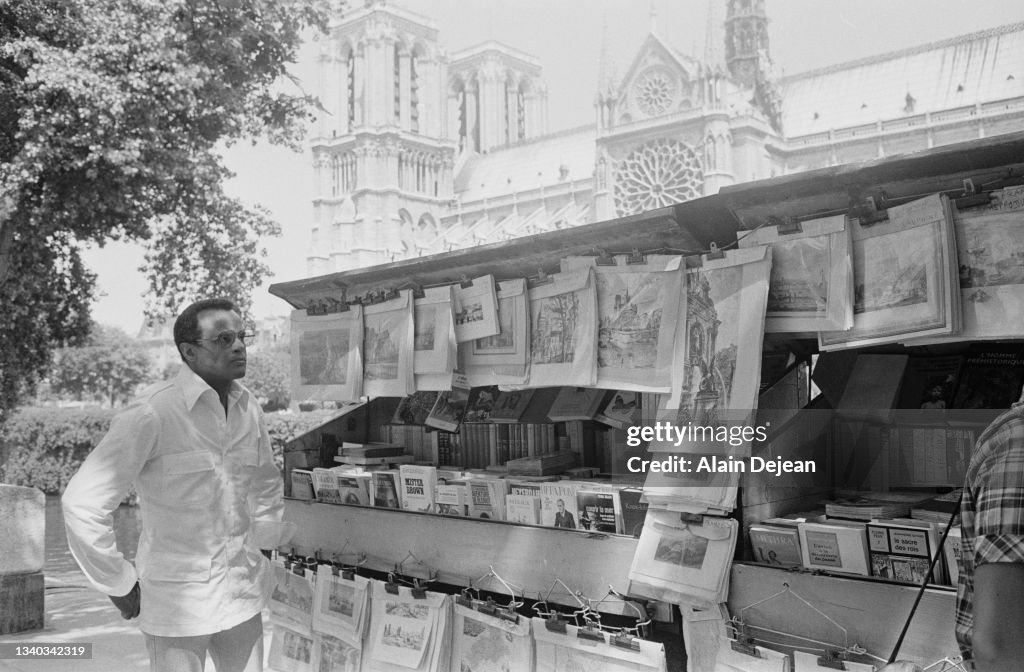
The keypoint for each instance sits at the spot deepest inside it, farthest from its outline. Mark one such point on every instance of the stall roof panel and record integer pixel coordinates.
(690, 227)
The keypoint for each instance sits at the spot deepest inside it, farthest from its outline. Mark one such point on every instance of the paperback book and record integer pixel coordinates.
(902, 550)
(418, 485)
(487, 498)
(776, 545)
(558, 504)
(835, 546)
(600, 510)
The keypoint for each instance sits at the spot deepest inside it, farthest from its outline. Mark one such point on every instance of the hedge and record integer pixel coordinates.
(44, 447)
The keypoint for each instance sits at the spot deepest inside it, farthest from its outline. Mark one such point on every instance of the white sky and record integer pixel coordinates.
(566, 36)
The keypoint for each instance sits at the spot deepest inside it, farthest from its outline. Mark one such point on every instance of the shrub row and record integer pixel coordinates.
(44, 447)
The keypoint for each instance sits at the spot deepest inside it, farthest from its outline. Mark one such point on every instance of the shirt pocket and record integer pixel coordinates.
(176, 567)
(194, 462)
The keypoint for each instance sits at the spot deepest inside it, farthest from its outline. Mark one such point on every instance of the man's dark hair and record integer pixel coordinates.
(186, 327)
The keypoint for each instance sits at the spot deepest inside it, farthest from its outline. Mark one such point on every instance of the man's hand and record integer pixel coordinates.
(128, 604)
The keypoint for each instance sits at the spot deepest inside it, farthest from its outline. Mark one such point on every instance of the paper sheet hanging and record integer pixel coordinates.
(434, 346)
(388, 347)
(811, 287)
(476, 309)
(719, 344)
(327, 361)
(502, 359)
(483, 643)
(637, 307)
(558, 651)
(563, 326)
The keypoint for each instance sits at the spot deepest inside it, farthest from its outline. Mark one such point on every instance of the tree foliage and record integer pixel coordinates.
(110, 368)
(268, 376)
(111, 115)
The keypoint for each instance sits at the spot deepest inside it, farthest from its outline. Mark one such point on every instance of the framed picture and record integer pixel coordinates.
(476, 309)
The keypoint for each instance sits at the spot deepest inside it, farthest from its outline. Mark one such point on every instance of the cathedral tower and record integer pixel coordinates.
(746, 40)
(382, 158)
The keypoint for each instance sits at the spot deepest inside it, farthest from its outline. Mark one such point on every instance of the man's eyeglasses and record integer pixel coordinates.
(226, 339)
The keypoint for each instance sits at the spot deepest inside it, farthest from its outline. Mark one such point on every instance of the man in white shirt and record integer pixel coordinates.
(198, 452)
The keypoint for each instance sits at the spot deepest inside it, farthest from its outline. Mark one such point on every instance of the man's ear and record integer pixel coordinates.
(187, 352)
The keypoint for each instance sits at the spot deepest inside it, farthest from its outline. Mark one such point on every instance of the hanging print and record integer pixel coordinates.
(563, 330)
(327, 359)
(637, 307)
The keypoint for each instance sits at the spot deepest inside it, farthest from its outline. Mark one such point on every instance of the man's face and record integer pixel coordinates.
(561, 506)
(211, 361)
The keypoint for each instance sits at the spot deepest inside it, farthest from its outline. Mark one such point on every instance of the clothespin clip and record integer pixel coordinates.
(541, 278)
(636, 257)
(693, 261)
(714, 252)
(743, 643)
(603, 258)
(590, 633)
(833, 660)
(389, 293)
(419, 592)
(972, 198)
(624, 640)
(390, 586)
(464, 281)
(785, 225)
(871, 209)
(555, 623)
(417, 289)
(695, 518)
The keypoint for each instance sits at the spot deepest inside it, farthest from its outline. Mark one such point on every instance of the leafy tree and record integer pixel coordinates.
(110, 368)
(111, 115)
(268, 376)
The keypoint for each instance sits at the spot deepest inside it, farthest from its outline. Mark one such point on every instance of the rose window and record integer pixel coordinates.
(659, 173)
(654, 92)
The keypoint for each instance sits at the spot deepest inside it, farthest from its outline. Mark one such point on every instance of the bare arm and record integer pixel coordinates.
(998, 617)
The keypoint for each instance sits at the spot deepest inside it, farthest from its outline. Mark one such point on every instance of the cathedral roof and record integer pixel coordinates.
(958, 72)
(546, 161)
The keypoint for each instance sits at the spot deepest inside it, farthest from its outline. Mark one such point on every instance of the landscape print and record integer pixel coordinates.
(553, 337)
(799, 276)
(630, 306)
(991, 251)
(323, 357)
(892, 271)
(504, 340)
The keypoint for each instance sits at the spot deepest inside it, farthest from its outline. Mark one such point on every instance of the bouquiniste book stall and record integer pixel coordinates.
(764, 401)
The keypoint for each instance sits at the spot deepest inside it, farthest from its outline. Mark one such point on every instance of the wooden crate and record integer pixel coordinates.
(21, 602)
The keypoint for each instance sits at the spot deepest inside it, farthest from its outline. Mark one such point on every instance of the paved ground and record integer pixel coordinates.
(75, 614)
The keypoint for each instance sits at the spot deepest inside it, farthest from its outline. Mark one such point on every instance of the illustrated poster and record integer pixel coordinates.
(722, 328)
(563, 331)
(406, 632)
(484, 643)
(811, 285)
(327, 361)
(388, 347)
(340, 604)
(291, 648)
(292, 596)
(637, 307)
(336, 654)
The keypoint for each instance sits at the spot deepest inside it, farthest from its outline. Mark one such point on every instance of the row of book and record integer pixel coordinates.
(895, 548)
(488, 404)
(548, 501)
(481, 444)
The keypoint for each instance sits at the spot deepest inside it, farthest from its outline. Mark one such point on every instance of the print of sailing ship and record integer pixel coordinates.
(628, 338)
(381, 354)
